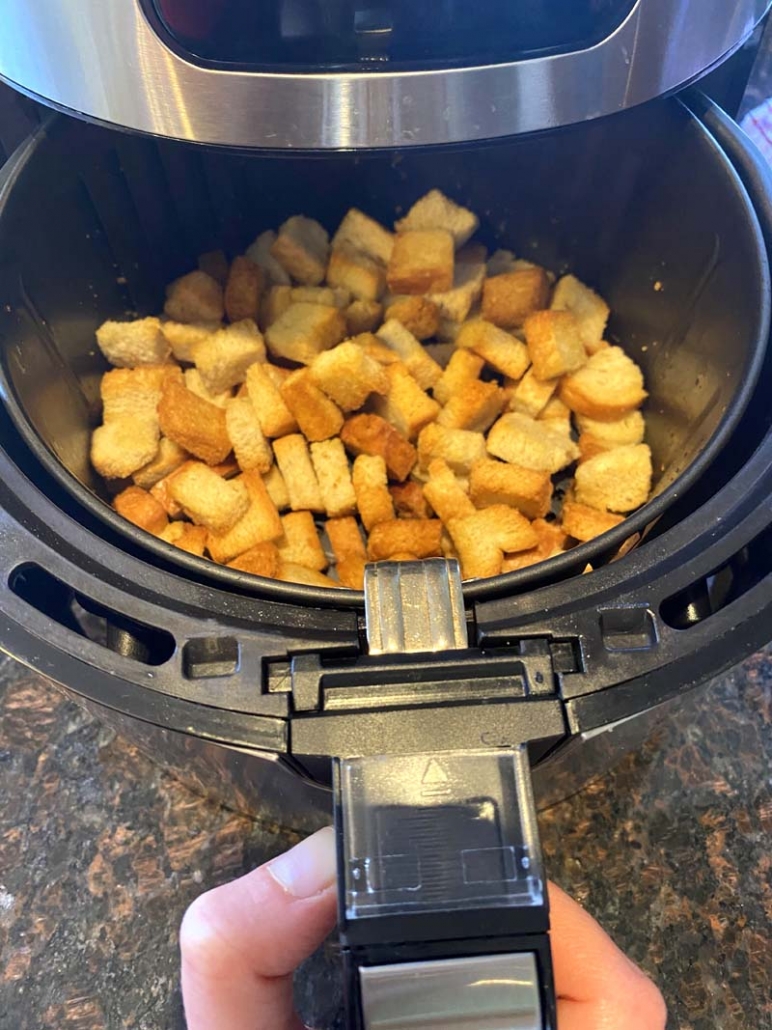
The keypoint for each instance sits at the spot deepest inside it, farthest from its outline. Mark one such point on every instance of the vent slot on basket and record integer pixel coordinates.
(89, 619)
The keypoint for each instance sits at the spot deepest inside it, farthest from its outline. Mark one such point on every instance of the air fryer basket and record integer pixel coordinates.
(94, 224)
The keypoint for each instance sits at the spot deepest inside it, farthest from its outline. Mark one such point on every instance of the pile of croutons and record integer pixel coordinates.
(316, 404)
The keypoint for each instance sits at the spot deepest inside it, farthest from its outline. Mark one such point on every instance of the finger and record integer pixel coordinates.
(598, 987)
(241, 942)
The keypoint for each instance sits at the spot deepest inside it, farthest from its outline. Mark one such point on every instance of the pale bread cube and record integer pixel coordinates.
(260, 253)
(456, 303)
(277, 488)
(607, 388)
(554, 344)
(300, 542)
(372, 491)
(436, 211)
(618, 480)
(361, 275)
(584, 523)
(463, 368)
(319, 418)
(405, 406)
(629, 429)
(496, 482)
(294, 462)
(445, 494)
(260, 522)
(193, 423)
(508, 299)
(556, 415)
(182, 337)
(334, 477)
(590, 310)
(422, 261)
(128, 344)
(250, 446)
(366, 235)
(502, 351)
(206, 498)
(275, 417)
(458, 447)
(196, 298)
(424, 369)
(168, 458)
(302, 249)
(419, 315)
(141, 508)
(533, 445)
(305, 330)
(531, 395)
(135, 392)
(195, 383)
(224, 357)
(348, 375)
(371, 434)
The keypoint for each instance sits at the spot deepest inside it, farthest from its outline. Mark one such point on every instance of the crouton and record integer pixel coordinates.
(193, 423)
(206, 498)
(195, 383)
(186, 537)
(405, 405)
(161, 492)
(366, 235)
(510, 298)
(182, 338)
(135, 392)
(371, 434)
(122, 446)
(128, 344)
(243, 290)
(495, 482)
(455, 303)
(250, 446)
(422, 261)
(607, 388)
(300, 543)
(554, 344)
(556, 415)
(348, 375)
(305, 330)
(260, 560)
(273, 304)
(590, 447)
(363, 316)
(319, 418)
(259, 522)
(345, 538)
(436, 211)
(333, 297)
(409, 501)
(351, 572)
(168, 458)
(334, 477)
(552, 541)
(458, 447)
(419, 315)
(294, 462)
(375, 349)
(224, 357)
(475, 409)
(531, 395)
(445, 494)
(372, 492)
(532, 445)
(139, 507)
(590, 310)
(289, 572)
(260, 254)
(618, 480)
(195, 298)
(275, 417)
(277, 488)
(584, 523)
(482, 538)
(419, 538)
(463, 368)
(215, 264)
(629, 429)
(502, 351)
(361, 275)
(302, 248)
(424, 370)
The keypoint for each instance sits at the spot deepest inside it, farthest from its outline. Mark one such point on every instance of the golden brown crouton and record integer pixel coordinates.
(243, 290)
(456, 303)
(494, 482)
(260, 560)
(445, 493)
(405, 405)
(224, 357)
(590, 310)
(533, 445)
(139, 507)
(135, 392)
(215, 264)
(422, 261)
(289, 572)
(370, 434)
(122, 446)
(275, 417)
(482, 538)
(259, 252)
(345, 538)
(419, 538)
(363, 316)
(302, 248)
(584, 523)
(458, 447)
(424, 369)
(168, 458)
(589, 446)
(409, 501)
(250, 446)
(333, 297)
(618, 480)
(300, 543)
(552, 541)
(182, 338)
(305, 330)
(436, 211)
(193, 423)
(362, 276)
(319, 418)
(273, 304)
(351, 572)
(608, 387)
(185, 536)
(277, 488)
(554, 344)
(629, 429)
(372, 492)
(365, 234)
(294, 462)
(531, 395)
(500, 349)
(334, 477)
(128, 344)
(260, 522)
(464, 367)
(419, 315)
(510, 298)
(375, 349)
(475, 409)
(162, 494)
(208, 499)
(348, 375)
(195, 298)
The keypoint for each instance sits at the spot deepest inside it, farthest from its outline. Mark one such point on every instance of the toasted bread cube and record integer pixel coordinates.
(419, 315)
(162, 494)
(590, 310)
(495, 529)
(260, 560)
(445, 493)
(458, 447)
(366, 235)
(589, 447)
(418, 538)
(409, 501)
(362, 276)
(319, 418)
(375, 349)
(208, 499)
(629, 429)
(302, 248)
(371, 434)
(224, 357)
(607, 388)
(333, 297)
(618, 480)
(372, 491)
(552, 541)
(141, 508)
(193, 423)
(300, 542)
(456, 303)
(463, 368)
(345, 538)
(510, 298)
(294, 462)
(532, 445)
(196, 298)
(243, 290)
(494, 482)
(348, 375)
(122, 446)
(275, 417)
(274, 302)
(436, 211)
(168, 458)
(584, 523)
(260, 254)
(424, 369)
(195, 383)
(422, 261)
(305, 330)
(351, 572)
(259, 522)
(277, 488)
(215, 264)
(500, 349)
(186, 537)
(363, 316)
(405, 405)
(334, 477)
(250, 446)
(183, 338)
(531, 395)
(128, 344)
(475, 409)
(289, 572)
(556, 415)
(554, 344)
(135, 392)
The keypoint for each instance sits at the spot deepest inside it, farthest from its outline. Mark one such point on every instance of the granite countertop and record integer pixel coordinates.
(100, 852)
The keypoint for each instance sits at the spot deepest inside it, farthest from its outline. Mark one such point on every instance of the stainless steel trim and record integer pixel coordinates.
(102, 58)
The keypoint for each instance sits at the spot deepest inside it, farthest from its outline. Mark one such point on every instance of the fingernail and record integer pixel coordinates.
(309, 868)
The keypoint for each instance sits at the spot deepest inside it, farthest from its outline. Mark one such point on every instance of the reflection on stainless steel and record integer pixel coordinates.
(102, 58)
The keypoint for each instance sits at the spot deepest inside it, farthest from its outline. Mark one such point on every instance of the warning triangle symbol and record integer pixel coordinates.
(434, 773)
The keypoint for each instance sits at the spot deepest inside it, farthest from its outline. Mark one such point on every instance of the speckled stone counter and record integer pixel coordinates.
(100, 852)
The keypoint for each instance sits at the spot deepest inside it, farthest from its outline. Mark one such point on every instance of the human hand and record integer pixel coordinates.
(241, 942)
